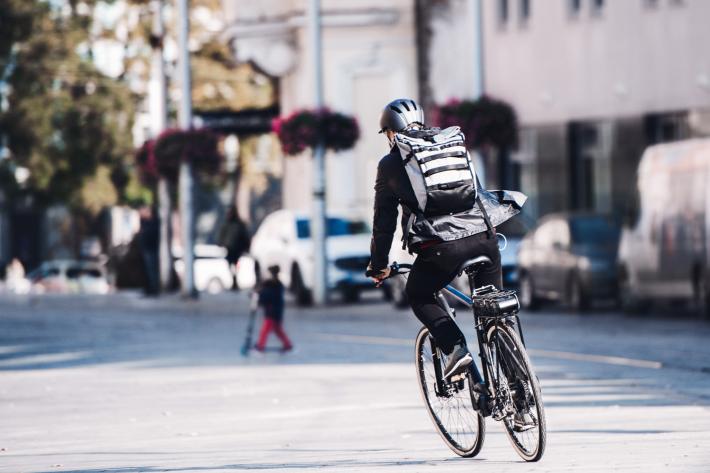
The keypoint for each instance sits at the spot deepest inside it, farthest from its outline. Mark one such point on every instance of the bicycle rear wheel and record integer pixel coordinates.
(452, 410)
(518, 388)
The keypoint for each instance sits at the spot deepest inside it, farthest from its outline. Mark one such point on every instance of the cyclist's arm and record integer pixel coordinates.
(385, 219)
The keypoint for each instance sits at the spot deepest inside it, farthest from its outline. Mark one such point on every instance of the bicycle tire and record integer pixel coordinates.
(458, 408)
(514, 358)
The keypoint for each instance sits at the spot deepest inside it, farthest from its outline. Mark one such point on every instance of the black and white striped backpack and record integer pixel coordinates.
(440, 170)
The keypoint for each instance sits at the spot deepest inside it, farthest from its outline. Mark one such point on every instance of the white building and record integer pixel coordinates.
(593, 82)
(369, 58)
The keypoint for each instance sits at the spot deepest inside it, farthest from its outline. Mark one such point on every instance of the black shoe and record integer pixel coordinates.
(458, 362)
(523, 421)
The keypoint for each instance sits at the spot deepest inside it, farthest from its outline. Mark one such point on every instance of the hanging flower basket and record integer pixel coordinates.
(145, 161)
(485, 122)
(163, 156)
(302, 129)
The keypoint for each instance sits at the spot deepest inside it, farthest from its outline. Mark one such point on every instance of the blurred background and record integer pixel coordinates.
(559, 99)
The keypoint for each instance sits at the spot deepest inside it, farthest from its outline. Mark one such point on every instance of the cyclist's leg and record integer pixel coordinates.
(425, 279)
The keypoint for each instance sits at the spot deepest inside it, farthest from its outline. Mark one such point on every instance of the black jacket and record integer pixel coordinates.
(392, 188)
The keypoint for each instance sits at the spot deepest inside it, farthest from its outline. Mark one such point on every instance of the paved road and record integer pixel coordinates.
(124, 384)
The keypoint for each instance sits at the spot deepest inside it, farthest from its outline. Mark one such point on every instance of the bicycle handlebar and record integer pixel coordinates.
(394, 270)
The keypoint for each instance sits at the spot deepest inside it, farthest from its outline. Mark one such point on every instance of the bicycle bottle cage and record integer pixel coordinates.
(491, 302)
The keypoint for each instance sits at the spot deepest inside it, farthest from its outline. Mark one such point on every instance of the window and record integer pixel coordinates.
(76, 273)
(335, 227)
(597, 6)
(524, 10)
(666, 127)
(574, 7)
(503, 12)
(593, 229)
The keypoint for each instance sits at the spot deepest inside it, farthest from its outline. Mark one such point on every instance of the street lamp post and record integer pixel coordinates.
(185, 180)
(477, 86)
(477, 48)
(158, 119)
(318, 219)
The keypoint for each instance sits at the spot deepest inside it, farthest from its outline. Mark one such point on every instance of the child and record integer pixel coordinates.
(271, 298)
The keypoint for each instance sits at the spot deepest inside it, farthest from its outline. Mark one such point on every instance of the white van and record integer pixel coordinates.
(663, 253)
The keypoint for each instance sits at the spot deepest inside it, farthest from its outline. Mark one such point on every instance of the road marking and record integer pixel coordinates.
(45, 358)
(609, 360)
(560, 355)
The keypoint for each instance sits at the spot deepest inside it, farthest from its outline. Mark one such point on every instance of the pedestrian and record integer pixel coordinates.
(149, 244)
(271, 298)
(234, 236)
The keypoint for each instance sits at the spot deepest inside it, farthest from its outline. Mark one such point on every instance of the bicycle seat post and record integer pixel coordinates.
(471, 273)
(471, 268)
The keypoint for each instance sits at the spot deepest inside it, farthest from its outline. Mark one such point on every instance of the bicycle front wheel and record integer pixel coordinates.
(451, 406)
(518, 388)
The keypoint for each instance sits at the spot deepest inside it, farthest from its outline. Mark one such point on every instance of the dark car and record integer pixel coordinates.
(569, 258)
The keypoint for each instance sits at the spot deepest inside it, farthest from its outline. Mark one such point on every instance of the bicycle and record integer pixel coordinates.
(508, 391)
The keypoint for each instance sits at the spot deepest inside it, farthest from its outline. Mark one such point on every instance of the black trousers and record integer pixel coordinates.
(434, 268)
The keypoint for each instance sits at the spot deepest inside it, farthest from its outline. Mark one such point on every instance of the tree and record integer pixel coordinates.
(65, 121)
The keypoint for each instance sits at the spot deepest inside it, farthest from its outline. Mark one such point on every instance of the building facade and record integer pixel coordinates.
(594, 82)
(369, 58)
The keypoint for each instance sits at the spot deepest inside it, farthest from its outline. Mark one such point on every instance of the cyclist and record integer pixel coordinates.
(450, 239)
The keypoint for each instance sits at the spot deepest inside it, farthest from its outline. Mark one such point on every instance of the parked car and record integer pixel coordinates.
(569, 258)
(284, 239)
(211, 270)
(69, 277)
(665, 246)
(513, 232)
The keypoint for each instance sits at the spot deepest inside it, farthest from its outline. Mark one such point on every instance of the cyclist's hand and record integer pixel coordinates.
(381, 276)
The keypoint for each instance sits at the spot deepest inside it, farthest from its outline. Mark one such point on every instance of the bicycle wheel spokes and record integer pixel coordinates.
(450, 406)
(519, 401)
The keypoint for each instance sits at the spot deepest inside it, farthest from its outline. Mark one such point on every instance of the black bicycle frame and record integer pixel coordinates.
(486, 363)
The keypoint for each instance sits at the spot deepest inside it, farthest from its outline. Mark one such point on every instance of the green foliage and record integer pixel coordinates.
(16, 19)
(65, 119)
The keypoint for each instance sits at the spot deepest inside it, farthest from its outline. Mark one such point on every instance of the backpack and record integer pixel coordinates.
(439, 169)
(441, 173)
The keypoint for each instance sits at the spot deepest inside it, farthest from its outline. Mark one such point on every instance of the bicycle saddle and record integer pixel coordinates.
(473, 264)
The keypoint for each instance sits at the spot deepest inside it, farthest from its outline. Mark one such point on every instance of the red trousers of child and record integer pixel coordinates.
(269, 326)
